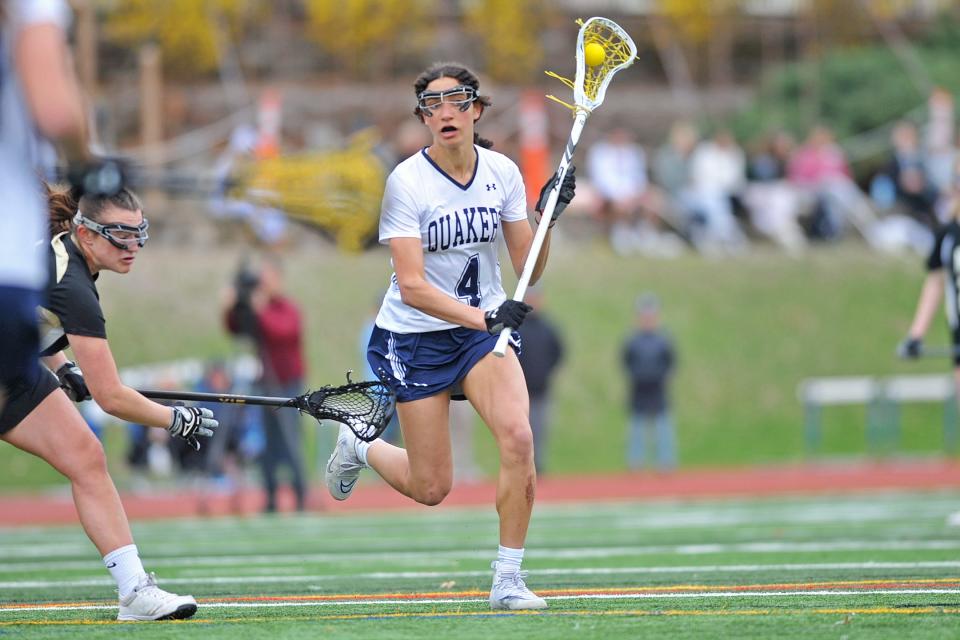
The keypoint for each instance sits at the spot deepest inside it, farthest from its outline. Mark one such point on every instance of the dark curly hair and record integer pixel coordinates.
(461, 74)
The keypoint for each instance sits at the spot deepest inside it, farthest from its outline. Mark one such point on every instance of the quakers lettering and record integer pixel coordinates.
(466, 226)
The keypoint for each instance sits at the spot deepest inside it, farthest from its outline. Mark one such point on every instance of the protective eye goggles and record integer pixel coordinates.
(122, 236)
(461, 97)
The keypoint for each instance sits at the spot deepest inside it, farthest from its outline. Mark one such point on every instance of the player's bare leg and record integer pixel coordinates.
(55, 432)
(496, 388)
(423, 468)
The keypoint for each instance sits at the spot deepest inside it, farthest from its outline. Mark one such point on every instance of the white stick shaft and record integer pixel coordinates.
(541, 234)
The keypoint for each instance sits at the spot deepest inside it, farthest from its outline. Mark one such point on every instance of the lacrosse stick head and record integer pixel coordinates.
(365, 407)
(591, 82)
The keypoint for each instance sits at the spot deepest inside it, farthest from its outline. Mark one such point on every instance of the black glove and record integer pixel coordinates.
(509, 314)
(190, 422)
(71, 381)
(97, 177)
(910, 349)
(567, 191)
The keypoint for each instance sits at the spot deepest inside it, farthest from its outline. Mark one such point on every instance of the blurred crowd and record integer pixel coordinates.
(720, 195)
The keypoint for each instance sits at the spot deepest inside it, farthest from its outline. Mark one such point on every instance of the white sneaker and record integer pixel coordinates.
(510, 592)
(149, 602)
(344, 465)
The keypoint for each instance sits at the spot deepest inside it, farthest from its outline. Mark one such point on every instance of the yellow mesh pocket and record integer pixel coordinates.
(618, 54)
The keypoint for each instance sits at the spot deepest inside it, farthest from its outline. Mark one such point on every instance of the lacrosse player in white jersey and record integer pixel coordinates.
(40, 103)
(444, 211)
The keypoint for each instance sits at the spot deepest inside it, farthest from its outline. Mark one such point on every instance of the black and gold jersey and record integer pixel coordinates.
(72, 304)
(946, 255)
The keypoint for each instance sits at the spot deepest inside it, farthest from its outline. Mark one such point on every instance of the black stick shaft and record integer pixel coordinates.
(939, 352)
(221, 398)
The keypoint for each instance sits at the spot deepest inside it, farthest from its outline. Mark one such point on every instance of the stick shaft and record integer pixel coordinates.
(541, 234)
(220, 398)
(939, 352)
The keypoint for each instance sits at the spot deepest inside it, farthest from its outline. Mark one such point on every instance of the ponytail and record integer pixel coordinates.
(62, 208)
(481, 142)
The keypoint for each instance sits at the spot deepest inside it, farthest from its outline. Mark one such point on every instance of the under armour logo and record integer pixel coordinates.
(492, 186)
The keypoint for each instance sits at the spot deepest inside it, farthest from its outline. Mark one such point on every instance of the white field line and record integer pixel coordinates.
(434, 556)
(447, 575)
(432, 601)
(630, 516)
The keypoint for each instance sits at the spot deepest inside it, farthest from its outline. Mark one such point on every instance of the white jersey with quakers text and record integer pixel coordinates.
(459, 227)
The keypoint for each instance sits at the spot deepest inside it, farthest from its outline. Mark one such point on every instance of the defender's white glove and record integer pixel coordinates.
(190, 422)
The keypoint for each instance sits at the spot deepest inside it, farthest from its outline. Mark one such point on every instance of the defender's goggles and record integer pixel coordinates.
(461, 97)
(122, 236)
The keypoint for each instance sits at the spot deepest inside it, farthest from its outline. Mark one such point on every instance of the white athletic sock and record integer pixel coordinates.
(125, 567)
(362, 448)
(508, 560)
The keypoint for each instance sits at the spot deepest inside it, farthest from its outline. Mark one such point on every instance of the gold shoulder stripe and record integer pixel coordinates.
(60, 252)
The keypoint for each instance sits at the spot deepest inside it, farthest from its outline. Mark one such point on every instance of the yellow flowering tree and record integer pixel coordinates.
(509, 32)
(695, 20)
(364, 36)
(188, 32)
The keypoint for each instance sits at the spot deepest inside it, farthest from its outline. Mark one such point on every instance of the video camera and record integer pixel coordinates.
(245, 282)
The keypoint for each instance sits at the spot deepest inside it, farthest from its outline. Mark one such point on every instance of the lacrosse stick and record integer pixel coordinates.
(938, 351)
(589, 88)
(365, 407)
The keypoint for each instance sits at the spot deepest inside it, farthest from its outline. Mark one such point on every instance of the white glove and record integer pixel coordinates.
(190, 422)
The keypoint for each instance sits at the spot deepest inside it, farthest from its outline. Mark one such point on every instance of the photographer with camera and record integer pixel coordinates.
(256, 308)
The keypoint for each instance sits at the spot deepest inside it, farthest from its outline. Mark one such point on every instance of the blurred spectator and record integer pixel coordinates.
(617, 169)
(915, 194)
(771, 200)
(257, 308)
(649, 359)
(939, 140)
(407, 139)
(228, 452)
(671, 168)
(717, 174)
(819, 170)
(148, 453)
(541, 353)
(903, 189)
(269, 224)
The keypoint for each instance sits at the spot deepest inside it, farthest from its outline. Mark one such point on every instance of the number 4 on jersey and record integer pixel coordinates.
(468, 287)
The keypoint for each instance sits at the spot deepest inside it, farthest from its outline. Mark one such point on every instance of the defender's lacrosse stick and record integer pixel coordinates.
(603, 49)
(365, 407)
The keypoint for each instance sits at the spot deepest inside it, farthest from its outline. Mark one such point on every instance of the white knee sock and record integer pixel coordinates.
(125, 567)
(508, 560)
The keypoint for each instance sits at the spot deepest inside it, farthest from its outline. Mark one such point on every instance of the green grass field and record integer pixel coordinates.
(748, 330)
(859, 566)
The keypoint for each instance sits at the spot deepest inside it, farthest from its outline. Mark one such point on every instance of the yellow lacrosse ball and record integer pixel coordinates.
(594, 54)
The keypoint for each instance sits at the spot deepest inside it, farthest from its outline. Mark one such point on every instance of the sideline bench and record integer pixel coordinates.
(883, 398)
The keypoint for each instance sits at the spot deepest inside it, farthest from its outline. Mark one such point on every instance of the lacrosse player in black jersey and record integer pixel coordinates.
(943, 269)
(103, 234)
